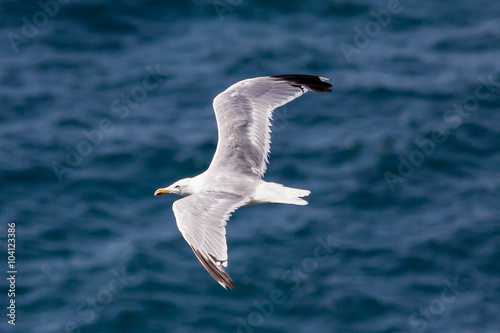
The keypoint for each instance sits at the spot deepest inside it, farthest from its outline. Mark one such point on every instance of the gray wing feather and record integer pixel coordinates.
(244, 113)
(202, 218)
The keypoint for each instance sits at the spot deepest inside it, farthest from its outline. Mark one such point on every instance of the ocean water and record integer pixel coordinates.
(103, 102)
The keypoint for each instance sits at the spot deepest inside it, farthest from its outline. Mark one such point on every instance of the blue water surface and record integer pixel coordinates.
(103, 102)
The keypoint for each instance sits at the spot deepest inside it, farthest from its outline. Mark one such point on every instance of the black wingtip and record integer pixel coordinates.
(219, 275)
(313, 82)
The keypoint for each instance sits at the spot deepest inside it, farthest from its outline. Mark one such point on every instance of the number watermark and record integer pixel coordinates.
(11, 272)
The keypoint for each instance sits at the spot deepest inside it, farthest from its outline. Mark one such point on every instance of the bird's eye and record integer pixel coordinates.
(177, 186)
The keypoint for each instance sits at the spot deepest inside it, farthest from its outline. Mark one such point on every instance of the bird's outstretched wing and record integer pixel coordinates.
(201, 218)
(244, 112)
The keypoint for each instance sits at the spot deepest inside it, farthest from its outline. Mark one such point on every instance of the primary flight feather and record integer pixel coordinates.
(234, 178)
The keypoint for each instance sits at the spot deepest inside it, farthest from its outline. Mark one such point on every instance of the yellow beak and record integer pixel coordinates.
(161, 191)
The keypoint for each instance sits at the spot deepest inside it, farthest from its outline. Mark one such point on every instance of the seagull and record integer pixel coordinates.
(234, 178)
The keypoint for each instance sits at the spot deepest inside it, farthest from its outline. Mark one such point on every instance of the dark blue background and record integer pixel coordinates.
(402, 161)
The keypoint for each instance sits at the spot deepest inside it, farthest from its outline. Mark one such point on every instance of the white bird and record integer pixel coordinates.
(234, 178)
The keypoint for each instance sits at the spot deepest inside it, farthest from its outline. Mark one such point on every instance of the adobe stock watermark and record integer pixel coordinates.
(31, 25)
(120, 108)
(372, 29)
(294, 278)
(453, 118)
(223, 6)
(90, 308)
(281, 119)
(420, 320)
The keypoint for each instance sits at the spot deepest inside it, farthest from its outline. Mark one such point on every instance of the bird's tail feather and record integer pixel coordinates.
(277, 193)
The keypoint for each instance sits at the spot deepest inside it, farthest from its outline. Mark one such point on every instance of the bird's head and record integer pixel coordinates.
(180, 188)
